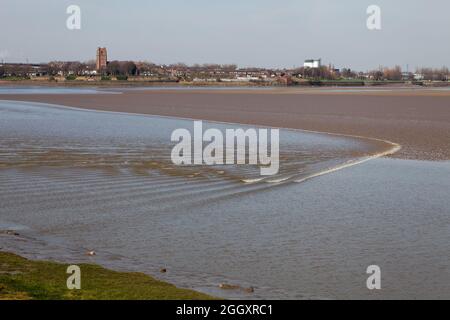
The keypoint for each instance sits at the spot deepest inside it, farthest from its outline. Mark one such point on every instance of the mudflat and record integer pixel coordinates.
(418, 120)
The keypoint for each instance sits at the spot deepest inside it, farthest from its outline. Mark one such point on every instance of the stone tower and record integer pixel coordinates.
(102, 59)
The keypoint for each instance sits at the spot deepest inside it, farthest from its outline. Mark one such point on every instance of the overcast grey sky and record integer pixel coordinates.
(264, 33)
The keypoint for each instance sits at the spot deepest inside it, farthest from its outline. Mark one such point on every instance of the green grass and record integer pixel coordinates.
(14, 78)
(42, 280)
(122, 78)
(71, 77)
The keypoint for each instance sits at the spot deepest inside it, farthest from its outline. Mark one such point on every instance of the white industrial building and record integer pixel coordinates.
(312, 63)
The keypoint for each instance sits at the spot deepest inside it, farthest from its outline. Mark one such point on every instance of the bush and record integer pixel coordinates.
(16, 78)
(71, 77)
(122, 78)
(106, 78)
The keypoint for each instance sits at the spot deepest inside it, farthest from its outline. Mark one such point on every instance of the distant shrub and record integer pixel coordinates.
(122, 78)
(106, 78)
(71, 77)
(15, 78)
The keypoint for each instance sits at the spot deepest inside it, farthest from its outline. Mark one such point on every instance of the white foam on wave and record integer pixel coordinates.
(279, 180)
(249, 181)
(395, 148)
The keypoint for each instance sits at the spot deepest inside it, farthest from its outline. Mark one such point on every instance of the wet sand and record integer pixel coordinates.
(419, 120)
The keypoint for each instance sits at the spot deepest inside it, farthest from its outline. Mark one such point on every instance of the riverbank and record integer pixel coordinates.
(133, 83)
(21, 279)
(274, 83)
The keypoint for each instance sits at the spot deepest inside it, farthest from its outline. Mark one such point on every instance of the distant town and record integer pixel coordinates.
(313, 72)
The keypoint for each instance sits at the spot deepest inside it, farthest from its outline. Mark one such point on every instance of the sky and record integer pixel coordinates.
(261, 33)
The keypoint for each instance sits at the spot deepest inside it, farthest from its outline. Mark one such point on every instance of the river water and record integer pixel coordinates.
(74, 180)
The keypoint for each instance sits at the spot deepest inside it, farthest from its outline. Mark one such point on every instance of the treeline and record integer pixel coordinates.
(326, 73)
(396, 74)
(113, 68)
(382, 74)
(215, 71)
(20, 70)
(121, 68)
(203, 67)
(70, 67)
(391, 74)
(441, 74)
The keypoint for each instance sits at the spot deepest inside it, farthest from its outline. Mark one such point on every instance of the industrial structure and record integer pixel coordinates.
(313, 64)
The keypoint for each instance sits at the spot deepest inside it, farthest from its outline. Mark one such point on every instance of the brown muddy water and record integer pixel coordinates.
(74, 180)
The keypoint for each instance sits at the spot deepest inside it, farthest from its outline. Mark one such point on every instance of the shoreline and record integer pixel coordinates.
(149, 83)
(230, 86)
(401, 117)
(28, 279)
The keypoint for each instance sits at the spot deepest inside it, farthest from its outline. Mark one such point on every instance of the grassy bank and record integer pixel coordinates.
(129, 82)
(21, 278)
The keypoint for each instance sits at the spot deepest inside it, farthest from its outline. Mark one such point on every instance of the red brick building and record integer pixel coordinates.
(102, 59)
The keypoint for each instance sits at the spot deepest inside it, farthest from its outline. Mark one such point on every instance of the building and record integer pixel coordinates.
(407, 76)
(285, 80)
(102, 59)
(418, 76)
(23, 70)
(312, 64)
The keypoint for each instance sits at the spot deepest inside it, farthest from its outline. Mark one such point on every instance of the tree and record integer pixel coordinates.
(113, 68)
(128, 68)
(348, 73)
(376, 75)
(394, 74)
